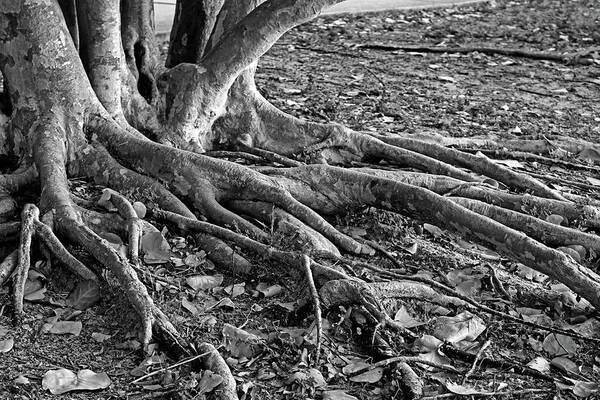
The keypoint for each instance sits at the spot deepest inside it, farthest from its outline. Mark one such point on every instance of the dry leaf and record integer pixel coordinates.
(204, 282)
(63, 380)
(84, 295)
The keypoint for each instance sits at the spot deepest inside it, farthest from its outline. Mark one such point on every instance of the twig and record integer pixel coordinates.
(177, 364)
(317, 304)
(524, 156)
(497, 283)
(399, 359)
(565, 182)
(451, 351)
(389, 255)
(269, 155)
(536, 55)
(511, 393)
(235, 154)
(476, 360)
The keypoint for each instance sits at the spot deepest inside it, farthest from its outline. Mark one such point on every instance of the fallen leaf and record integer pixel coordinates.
(558, 345)
(311, 377)
(100, 337)
(190, 306)
(337, 395)
(464, 326)
(63, 380)
(406, 319)
(155, 247)
(84, 295)
(208, 382)
(241, 343)
(371, 376)
(433, 230)
(462, 390)
(63, 328)
(21, 380)
(585, 389)
(204, 282)
(236, 290)
(139, 208)
(6, 345)
(510, 163)
(565, 365)
(539, 364)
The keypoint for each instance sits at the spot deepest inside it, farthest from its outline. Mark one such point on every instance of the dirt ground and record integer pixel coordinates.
(320, 72)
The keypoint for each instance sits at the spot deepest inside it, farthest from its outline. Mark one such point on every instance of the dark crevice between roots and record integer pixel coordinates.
(145, 82)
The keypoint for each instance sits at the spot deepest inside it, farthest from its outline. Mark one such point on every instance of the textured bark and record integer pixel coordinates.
(84, 95)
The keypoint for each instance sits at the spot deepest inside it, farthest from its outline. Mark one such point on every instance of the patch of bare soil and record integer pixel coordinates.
(322, 71)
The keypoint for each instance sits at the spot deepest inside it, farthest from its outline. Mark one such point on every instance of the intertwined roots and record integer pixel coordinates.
(102, 107)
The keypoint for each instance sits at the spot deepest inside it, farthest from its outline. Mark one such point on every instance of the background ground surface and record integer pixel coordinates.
(165, 9)
(327, 77)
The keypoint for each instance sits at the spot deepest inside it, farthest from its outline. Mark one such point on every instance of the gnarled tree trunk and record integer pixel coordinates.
(85, 94)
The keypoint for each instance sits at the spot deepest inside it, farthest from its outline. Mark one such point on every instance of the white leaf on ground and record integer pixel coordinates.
(539, 364)
(464, 326)
(510, 163)
(63, 327)
(21, 380)
(337, 395)
(6, 345)
(63, 380)
(100, 337)
(593, 181)
(462, 389)
(406, 319)
(371, 376)
(204, 282)
(236, 290)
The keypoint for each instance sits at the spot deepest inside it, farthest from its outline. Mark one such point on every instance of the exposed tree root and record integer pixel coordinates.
(120, 100)
(574, 58)
(7, 266)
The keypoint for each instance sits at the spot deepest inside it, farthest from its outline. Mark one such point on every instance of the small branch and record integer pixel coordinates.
(512, 394)
(270, 156)
(476, 360)
(256, 33)
(317, 304)
(402, 359)
(28, 216)
(236, 154)
(573, 58)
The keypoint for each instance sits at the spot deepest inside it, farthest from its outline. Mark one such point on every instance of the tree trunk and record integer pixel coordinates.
(85, 94)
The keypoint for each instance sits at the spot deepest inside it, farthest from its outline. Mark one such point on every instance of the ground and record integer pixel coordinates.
(326, 76)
